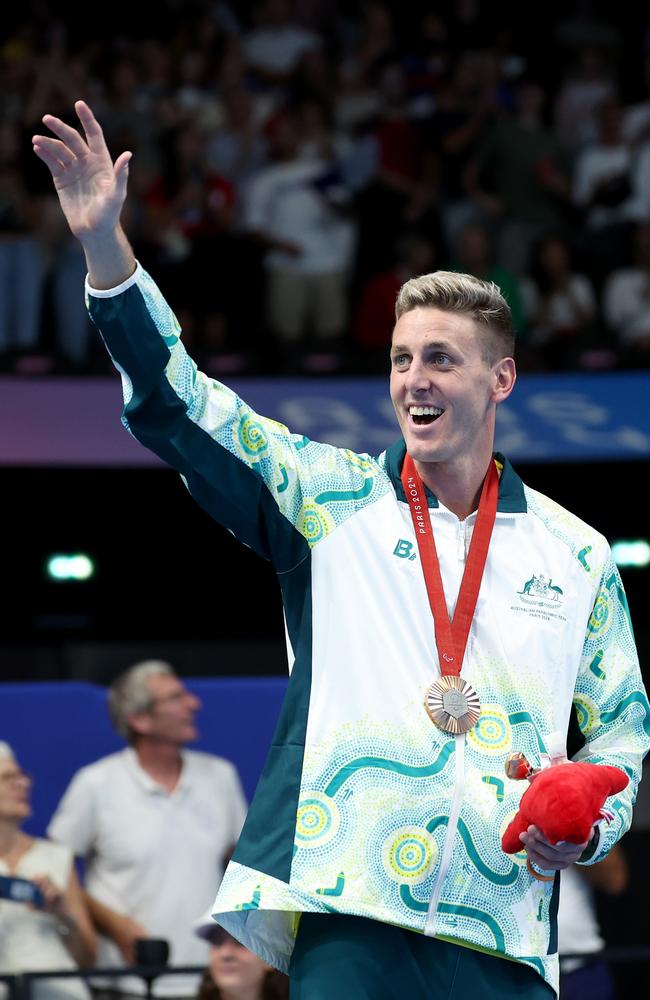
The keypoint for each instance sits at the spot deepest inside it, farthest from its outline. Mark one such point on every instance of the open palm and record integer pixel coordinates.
(91, 188)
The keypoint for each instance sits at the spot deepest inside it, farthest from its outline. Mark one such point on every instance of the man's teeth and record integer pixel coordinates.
(425, 411)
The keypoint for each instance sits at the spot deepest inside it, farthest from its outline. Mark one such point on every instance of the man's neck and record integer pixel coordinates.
(458, 489)
(162, 761)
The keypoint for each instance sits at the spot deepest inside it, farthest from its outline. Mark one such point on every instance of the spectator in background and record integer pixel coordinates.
(561, 305)
(234, 972)
(62, 340)
(588, 82)
(626, 304)
(606, 191)
(475, 255)
(128, 110)
(154, 823)
(298, 212)
(466, 110)
(372, 42)
(274, 47)
(21, 266)
(237, 149)
(636, 116)
(520, 177)
(55, 932)
(189, 224)
(578, 930)
(404, 192)
(375, 315)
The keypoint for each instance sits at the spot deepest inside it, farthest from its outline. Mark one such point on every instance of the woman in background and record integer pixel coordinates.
(234, 972)
(44, 924)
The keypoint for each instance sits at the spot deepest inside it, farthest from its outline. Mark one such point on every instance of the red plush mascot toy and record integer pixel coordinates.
(563, 801)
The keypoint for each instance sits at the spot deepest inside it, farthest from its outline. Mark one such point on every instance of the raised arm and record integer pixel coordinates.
(92, 191)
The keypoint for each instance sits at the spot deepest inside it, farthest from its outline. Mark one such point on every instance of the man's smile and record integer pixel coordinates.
(422, 415)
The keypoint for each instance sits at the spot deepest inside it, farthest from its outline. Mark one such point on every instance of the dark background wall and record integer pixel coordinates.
(169, 581)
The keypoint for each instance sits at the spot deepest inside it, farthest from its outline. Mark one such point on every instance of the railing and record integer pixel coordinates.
(20, 984)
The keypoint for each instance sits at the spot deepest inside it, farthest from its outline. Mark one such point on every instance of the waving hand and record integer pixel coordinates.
(91, 190)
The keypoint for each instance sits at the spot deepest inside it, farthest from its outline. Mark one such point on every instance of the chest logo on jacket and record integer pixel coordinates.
(541, 597)
(542, 586)
(404, 550)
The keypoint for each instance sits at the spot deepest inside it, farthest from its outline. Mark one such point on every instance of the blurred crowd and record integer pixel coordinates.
(295, 162)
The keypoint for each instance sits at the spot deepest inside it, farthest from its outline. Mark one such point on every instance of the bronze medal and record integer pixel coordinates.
(452, 704)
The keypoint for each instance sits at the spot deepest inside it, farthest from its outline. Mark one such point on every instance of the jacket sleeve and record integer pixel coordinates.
(611, 702)
(279, 493)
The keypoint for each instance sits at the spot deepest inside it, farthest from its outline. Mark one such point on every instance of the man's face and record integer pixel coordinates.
(437, 366)
(170, 718)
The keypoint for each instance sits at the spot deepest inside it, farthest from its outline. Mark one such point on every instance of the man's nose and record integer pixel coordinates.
(418, 376)
(193, 700)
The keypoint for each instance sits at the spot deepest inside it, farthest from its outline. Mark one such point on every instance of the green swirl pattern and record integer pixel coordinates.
(252, 437)
(314, 523)
(409, 854)
(317, 820)
(492, 733)
(587, 712)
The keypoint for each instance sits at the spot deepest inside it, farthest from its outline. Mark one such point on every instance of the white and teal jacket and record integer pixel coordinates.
(364, 806)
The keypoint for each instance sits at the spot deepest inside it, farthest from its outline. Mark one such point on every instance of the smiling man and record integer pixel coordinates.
(370, 862)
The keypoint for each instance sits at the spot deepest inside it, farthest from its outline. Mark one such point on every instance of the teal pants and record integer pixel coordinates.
(350, 958)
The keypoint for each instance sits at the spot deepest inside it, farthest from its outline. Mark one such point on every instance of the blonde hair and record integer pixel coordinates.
(451, 291)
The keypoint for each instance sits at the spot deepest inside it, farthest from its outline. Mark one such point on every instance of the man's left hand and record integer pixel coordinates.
(550, 857)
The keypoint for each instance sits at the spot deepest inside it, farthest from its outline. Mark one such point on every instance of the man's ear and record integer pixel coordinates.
(505, 376)
(140, 723)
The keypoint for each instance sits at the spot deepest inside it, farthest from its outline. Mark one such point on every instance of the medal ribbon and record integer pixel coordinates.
(451, 637)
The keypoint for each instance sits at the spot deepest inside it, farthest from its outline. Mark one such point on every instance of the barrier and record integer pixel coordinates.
(20, 984)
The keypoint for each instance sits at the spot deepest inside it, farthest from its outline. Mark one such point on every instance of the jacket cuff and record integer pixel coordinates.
(107, 293)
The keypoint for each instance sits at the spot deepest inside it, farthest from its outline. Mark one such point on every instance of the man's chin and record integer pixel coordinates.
(422, 451)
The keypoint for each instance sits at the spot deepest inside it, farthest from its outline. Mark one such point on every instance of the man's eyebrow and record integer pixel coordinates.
(431, 345)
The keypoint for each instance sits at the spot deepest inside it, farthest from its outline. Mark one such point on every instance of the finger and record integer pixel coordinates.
(68, 134)
(562, 851)
(540, 861)
(58, 149)
(545, 859)
(534, 837)
(55, 166)
(92, 128)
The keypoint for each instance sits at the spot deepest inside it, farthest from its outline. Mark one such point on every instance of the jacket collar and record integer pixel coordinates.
(512, 499)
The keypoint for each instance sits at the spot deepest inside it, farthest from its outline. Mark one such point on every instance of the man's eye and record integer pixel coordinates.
(442, 359)
(400, 360)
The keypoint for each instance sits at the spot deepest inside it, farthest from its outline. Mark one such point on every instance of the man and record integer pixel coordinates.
(381, 805)
(154, 823)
